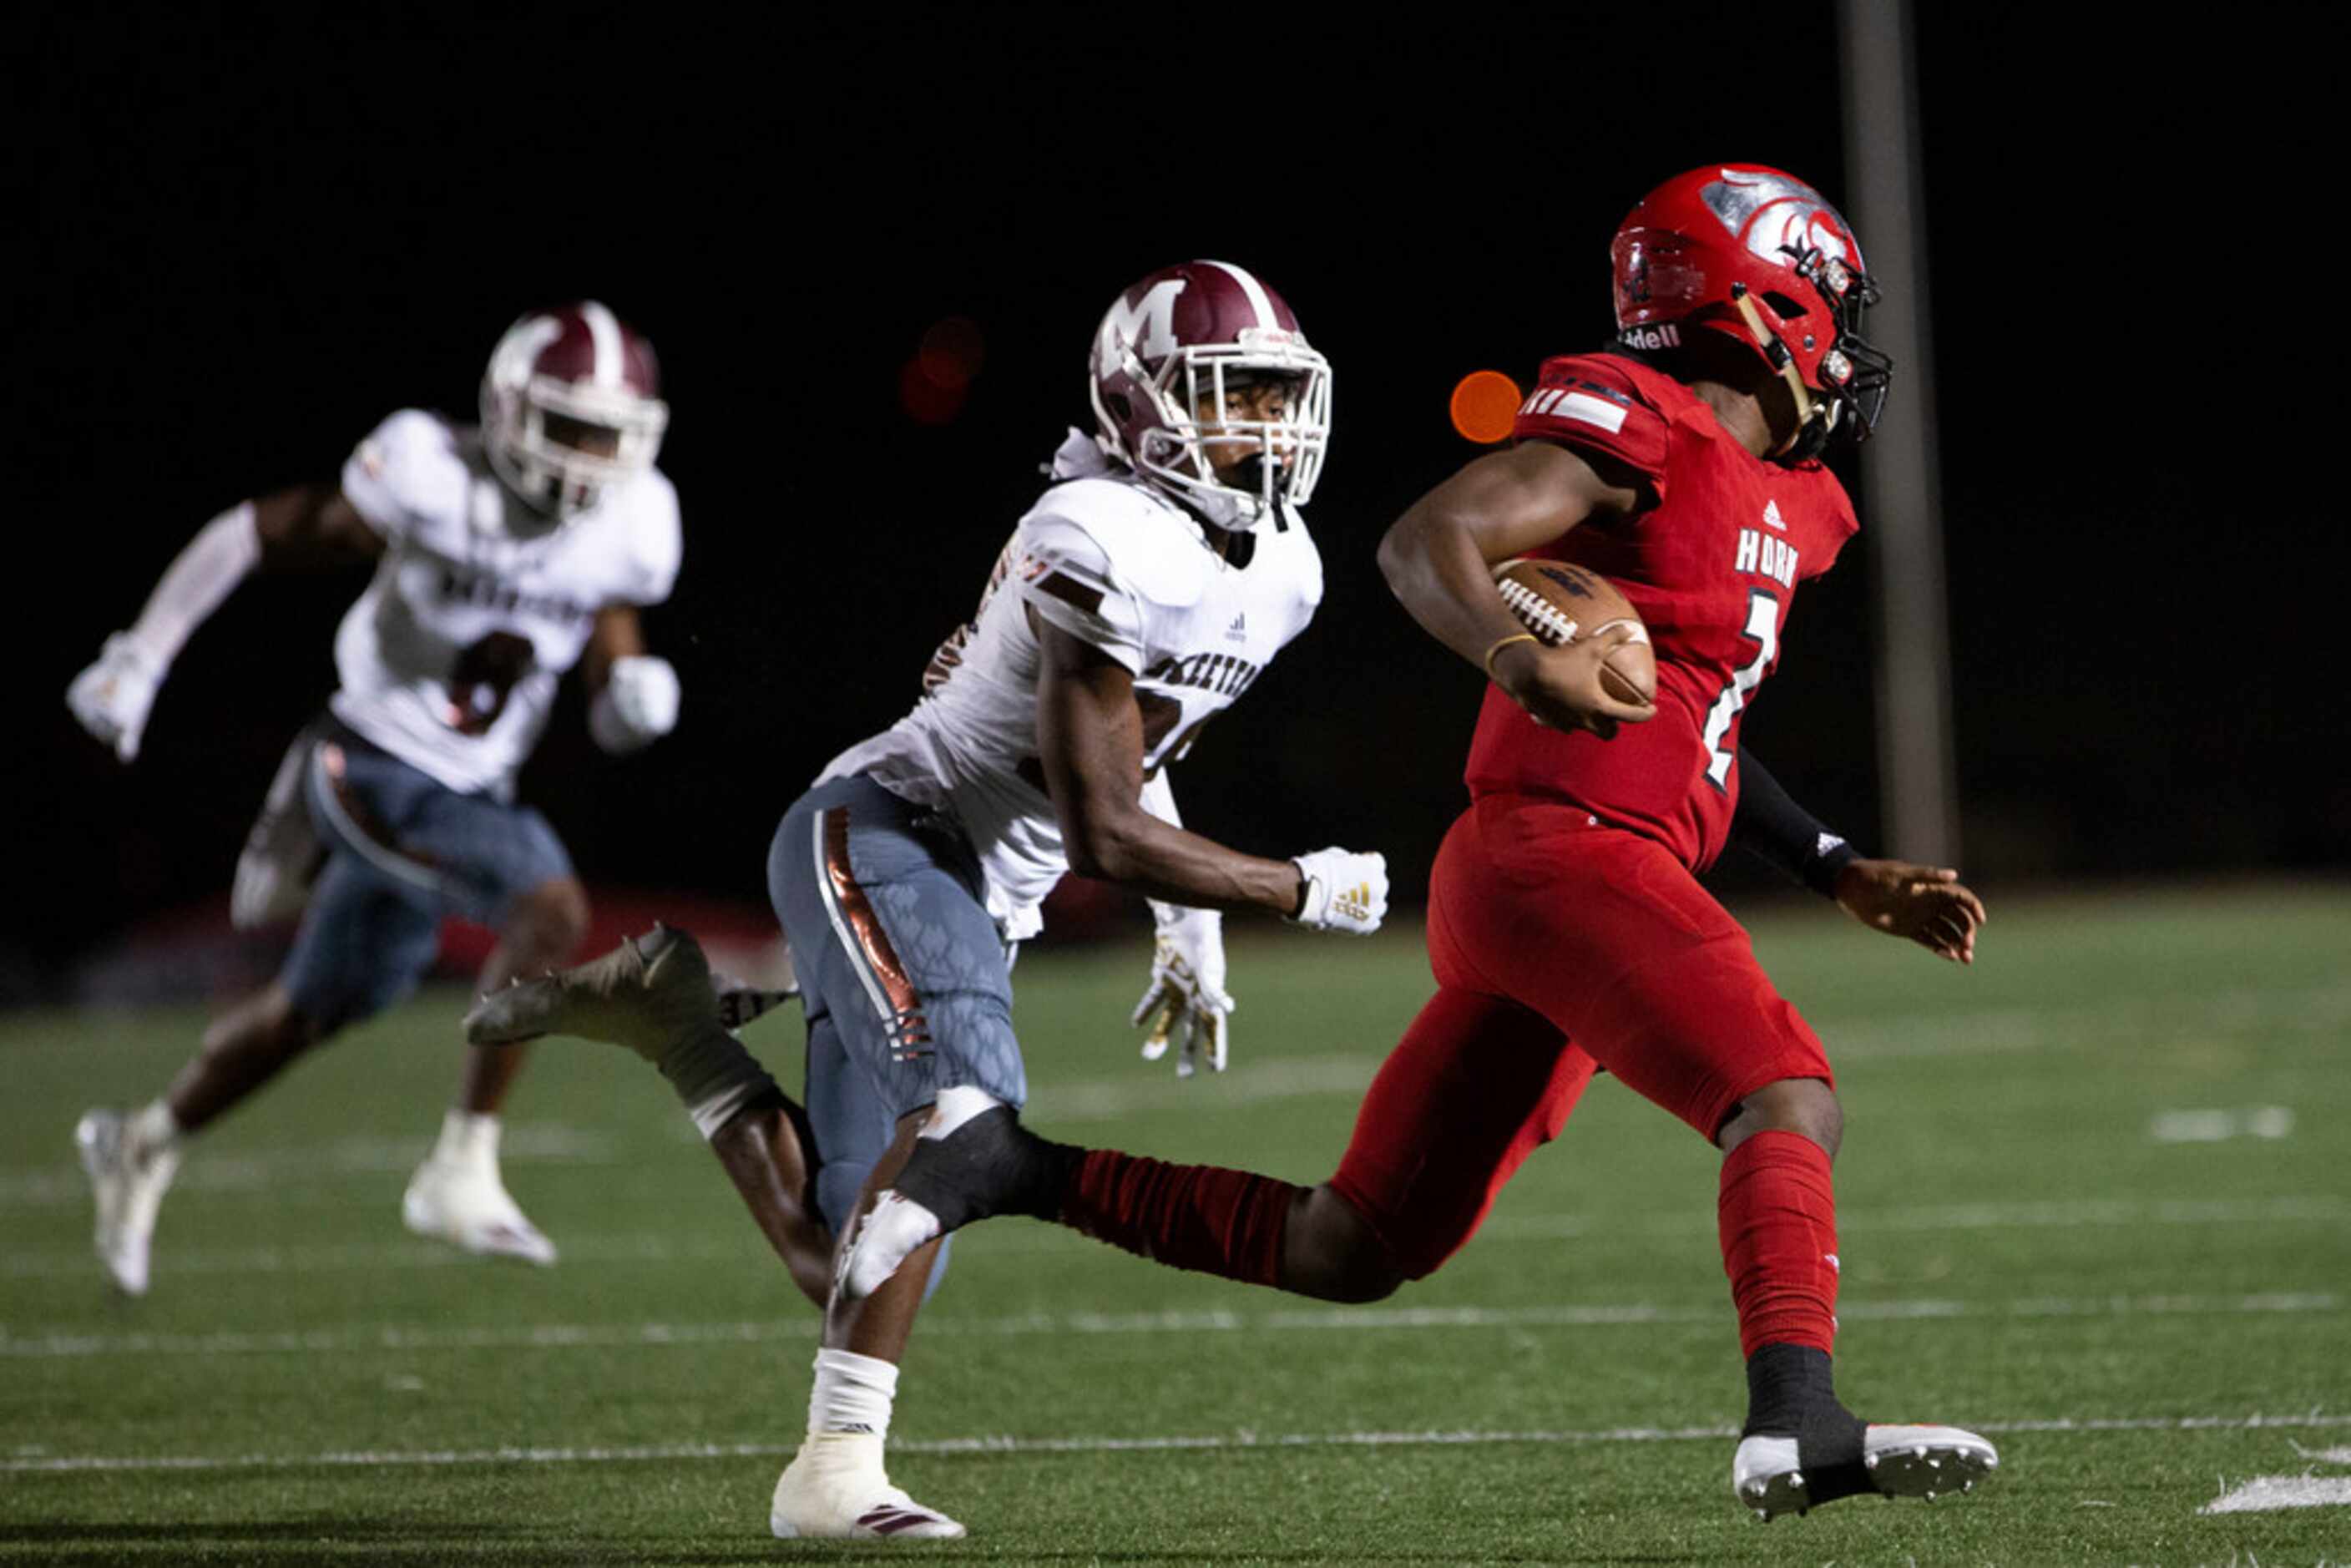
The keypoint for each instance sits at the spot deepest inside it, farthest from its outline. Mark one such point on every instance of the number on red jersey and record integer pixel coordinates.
(1762, 629)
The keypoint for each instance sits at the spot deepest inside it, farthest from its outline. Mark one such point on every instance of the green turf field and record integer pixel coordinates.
(2096, 1199)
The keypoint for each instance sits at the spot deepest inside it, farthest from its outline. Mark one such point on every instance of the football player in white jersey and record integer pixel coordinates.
(504, 555)
(1147, 589)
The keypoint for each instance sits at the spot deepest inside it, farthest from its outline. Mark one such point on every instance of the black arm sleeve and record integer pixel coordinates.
(1771, 825)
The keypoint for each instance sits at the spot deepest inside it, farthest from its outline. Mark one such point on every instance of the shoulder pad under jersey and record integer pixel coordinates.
(650, 540)
(1150, 550)
(409, 479)
(1595, 403)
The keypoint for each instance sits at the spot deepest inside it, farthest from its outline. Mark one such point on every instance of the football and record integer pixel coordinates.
(1563, 603)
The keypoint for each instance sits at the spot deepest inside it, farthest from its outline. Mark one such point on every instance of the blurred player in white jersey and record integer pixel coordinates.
(504, 555)
(1147, 589)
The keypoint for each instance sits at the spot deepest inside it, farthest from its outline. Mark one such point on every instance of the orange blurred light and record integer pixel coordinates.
(1485, 405)
(952, 352)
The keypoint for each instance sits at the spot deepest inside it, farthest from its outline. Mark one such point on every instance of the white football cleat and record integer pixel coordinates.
(646, 994)
(1903, 1461)
(836, 1489)
(129, 1186)
(458, 1197)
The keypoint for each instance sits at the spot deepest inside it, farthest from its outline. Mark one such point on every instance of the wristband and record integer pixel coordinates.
(1502, 643)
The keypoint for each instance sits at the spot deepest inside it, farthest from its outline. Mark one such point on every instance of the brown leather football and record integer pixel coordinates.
(1561, 603)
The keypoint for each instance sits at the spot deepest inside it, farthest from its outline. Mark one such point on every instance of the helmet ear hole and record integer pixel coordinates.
(1121, 409)
(1788, 309)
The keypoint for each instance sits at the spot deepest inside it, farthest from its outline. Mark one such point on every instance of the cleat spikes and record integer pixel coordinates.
(1925, 1462)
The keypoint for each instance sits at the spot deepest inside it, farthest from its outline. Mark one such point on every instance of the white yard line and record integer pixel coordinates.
(2264, 1494)
(1858, 1038)
(358, 1156)
(720, 1242)
(38, 1464)
(408, 1337)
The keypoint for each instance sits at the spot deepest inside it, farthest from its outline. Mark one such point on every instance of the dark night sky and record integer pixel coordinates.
(248, 239)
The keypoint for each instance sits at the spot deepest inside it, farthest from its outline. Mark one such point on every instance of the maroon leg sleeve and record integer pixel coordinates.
(1206, 1218)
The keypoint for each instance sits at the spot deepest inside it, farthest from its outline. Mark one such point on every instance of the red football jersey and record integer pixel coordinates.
(1711, 566)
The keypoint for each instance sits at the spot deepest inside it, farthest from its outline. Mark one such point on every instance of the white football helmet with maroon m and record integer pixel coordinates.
(1191, 335)
(571, 404)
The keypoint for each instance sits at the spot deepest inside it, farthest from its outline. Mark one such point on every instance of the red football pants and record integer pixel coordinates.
(1558, 944)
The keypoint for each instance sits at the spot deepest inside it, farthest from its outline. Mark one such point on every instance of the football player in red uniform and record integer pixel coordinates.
(1566, 925)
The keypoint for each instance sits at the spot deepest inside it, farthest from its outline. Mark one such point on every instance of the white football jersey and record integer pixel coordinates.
(449, 661)
(1108, 559)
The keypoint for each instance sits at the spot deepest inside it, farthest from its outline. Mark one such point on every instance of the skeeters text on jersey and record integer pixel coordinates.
(449, 660)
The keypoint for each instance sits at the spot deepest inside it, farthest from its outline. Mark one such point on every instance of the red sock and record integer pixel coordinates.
(1778, 1214)
(1206, 1218)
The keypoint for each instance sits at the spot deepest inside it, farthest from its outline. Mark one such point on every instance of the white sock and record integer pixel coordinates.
(468, 1138)
(853, 1395)
(154, 1130)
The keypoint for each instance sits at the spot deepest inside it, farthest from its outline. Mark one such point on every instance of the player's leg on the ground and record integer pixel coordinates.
(1801, 1445)
(908, 998)
(836, 1485)
(505, 865)
(1613, 940)
(363, 942)
(655, 994)
(459, 1195)
(131, 1159)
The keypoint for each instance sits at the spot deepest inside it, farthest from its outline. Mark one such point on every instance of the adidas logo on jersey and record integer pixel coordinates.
(1772, 518)
(1238, 631)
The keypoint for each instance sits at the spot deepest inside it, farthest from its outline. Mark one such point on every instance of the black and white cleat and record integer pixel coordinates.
(1924, 1462)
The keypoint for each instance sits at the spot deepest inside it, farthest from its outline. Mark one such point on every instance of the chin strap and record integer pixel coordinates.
(1781, 361)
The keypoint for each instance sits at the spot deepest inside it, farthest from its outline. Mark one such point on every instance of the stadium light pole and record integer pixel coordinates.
(1900, 476)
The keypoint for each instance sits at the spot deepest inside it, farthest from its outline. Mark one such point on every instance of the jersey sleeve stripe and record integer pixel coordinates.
(1588, 410)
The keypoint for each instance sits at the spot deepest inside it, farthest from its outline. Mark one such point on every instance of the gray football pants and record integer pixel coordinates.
(906, 985)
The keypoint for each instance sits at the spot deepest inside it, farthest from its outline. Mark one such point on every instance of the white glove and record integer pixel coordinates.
(637, 707)
(111, 697)
(1344, 891)
(1186, 998)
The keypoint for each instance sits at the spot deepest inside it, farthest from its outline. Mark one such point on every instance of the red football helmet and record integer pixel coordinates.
(571, 404)
(1189, 335)
(1760, 255)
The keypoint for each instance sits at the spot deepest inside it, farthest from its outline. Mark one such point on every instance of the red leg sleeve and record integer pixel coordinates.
(1778, 1216)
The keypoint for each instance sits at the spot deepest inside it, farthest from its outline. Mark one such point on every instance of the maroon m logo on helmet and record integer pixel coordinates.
(1143, 325)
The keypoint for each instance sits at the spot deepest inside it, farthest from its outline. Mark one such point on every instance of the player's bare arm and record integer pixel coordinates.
(1438, 558)
(313, 524)
(304, 526)
(1925, 903)
(1090, 731)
